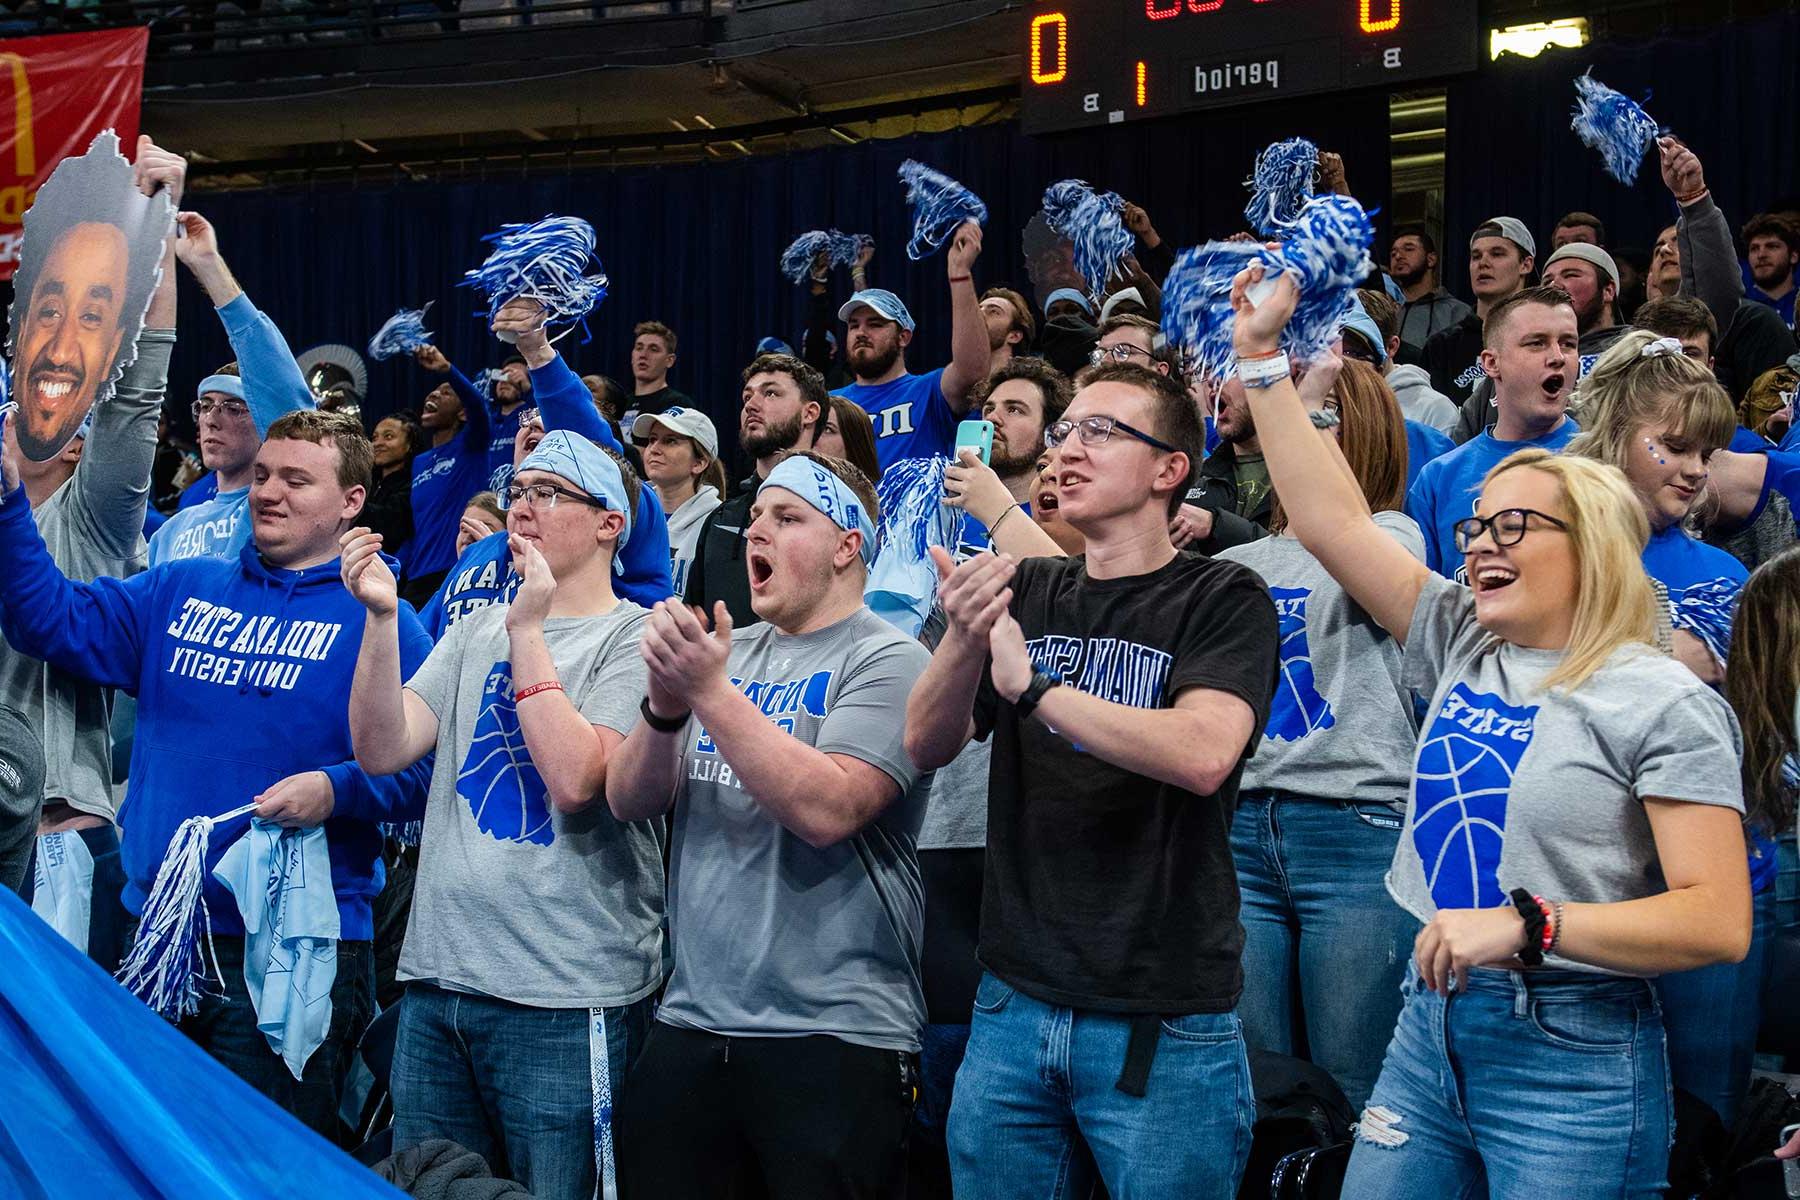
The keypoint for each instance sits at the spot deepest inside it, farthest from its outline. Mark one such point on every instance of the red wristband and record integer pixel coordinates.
(1243, 358)
(534, 689)
(1548, 937)
(961, 278)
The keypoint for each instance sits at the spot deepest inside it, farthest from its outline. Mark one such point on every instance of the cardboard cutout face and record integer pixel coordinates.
(1049, 260)
(92, 257)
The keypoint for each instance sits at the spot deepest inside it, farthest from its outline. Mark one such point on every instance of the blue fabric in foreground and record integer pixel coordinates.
(103, 1098)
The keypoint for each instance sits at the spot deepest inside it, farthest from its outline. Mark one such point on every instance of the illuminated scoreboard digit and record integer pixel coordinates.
(1090, 62)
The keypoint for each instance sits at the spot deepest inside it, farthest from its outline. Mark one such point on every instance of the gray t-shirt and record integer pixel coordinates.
(1340, 724)
(956, 810)
(515, 899)
(1516, 786)
(772, 937)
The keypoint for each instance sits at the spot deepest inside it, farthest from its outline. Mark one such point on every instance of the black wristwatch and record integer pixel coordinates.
(661, 724)
(1041, 682)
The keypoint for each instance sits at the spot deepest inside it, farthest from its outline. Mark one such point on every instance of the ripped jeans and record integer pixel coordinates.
(1542, 1085)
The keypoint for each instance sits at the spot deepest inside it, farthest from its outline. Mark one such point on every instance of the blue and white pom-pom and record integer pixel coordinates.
(1280, 185)
(902, 583)
(402, 333)
(1092, 222)
(546, 261)
(1327, 245)
(165, 967)
(939, 205)
(839, 249)
(1615, 125)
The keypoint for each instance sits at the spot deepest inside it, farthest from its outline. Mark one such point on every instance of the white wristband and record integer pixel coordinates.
(1263, 372)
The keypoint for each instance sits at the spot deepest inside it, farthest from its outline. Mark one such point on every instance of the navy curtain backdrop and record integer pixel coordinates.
(1732, 93)
(696, 246)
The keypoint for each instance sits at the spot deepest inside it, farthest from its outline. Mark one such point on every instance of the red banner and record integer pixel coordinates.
(58, 92)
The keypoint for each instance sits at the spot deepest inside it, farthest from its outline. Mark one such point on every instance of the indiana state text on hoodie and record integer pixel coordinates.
(242, 673)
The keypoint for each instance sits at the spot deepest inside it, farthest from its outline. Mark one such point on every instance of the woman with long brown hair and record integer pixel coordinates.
(1323, 798)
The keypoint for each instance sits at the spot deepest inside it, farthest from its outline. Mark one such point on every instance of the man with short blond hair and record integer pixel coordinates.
(653, 349)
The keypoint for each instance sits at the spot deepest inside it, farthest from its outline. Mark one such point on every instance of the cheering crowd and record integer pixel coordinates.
(1425, 713)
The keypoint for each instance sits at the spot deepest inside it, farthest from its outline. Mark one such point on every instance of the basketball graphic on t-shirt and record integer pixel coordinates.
(1466, 765)
(1296, 709)
(504, 790)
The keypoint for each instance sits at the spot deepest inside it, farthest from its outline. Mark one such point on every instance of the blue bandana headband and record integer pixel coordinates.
(586, 466)
(826, 492)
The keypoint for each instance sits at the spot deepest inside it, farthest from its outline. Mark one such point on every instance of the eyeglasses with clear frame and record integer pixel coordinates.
(232, 408)
(545, 496)
(1097, 431)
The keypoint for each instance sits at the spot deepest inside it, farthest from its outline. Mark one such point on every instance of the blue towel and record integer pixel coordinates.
(62, 890)
(282, 881)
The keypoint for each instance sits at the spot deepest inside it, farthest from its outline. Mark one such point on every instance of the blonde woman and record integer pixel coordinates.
(1573, 827)
(1659, 417)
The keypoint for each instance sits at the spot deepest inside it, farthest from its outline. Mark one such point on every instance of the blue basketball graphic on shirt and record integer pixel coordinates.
(1464, 774)
(506, 794)
(1296, 709)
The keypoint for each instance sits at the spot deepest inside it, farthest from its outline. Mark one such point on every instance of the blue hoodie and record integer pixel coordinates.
(242, 673)
(1448, 487)
(219, 526)
(484, 574)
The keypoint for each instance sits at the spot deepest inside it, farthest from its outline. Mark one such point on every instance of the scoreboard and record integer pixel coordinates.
(1092, 62)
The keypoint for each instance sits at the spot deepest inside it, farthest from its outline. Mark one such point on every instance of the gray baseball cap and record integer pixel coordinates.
(1601, 260)
(689, 422)
(1512, 229)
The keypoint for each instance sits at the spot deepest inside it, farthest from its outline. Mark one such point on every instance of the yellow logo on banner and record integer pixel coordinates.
(16, 199)
(24, 147)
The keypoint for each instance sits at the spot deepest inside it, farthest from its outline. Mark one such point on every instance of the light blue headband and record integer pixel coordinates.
(586, 466)
(826, 492)
(227, 385)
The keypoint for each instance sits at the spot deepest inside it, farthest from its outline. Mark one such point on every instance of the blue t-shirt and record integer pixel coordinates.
(216, 528)
(1448, 487)
(500, 449)
(444, 477)
(1423, 443)
(1784, 306)
(912, 418)
(199, 491)
(1703, 583)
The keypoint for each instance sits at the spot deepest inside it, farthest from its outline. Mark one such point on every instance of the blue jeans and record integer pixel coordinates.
(513, 1084)
(1325, 946)
(1545, 1085)
(1038, 1080)
(1712, 1016)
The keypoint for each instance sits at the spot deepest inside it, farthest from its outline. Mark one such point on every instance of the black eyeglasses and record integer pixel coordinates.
(1096, 430)
(546, 495)
(1507, 527)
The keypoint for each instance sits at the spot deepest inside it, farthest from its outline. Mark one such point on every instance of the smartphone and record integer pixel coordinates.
(977, 436)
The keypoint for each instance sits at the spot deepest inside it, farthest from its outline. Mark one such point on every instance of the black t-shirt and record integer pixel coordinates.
(1105, 889)
(660, 401)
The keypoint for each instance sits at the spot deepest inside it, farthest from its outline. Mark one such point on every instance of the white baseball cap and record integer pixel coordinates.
(689, 422)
